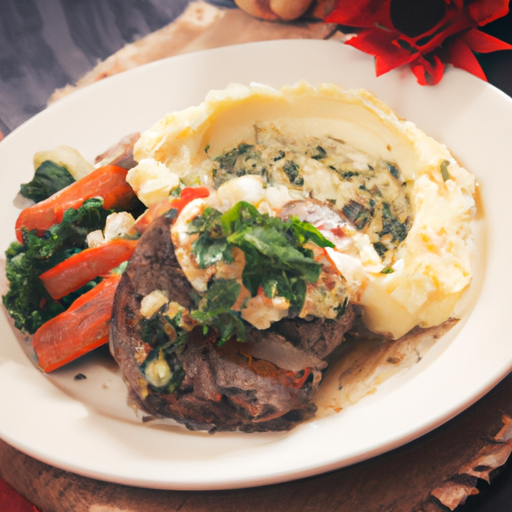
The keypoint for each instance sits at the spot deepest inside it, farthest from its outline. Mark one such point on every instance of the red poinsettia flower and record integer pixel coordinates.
(426, 34)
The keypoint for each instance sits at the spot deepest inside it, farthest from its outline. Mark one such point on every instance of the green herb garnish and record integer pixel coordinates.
(291, 169)
(444, 170)
(215, 310)
(391, 225)
(393, 170)
(357, 213)
(275, 258)
(211, 246)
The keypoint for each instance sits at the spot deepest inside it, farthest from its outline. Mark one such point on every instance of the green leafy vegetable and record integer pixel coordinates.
(380, 248)
(392, 169)
(211, 246)
(239, 161)
(162, 369)
(280, 155)
(321, 153)
(291, 169)
(304, 231)
(153, 332)
(48, 179)
(275, 258)
(391, 225)
(228, 160)
(27, 301)
(215, 310)
(357, 213)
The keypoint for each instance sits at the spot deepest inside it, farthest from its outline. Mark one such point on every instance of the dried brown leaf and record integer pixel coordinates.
(452, 493)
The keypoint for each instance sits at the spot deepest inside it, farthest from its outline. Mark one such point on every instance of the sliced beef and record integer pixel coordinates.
(253, 386)
(318, 336)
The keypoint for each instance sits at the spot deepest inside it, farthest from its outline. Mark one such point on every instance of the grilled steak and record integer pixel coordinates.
(266, 383)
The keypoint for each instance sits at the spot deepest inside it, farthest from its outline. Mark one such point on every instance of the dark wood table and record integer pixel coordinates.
(47, 44)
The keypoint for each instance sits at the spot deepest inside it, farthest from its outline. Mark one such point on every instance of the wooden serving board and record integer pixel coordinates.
(435, 473)
(441, 467)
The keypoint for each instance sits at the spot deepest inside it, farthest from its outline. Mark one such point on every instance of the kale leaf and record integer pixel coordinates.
(48, 179)
(27, 300)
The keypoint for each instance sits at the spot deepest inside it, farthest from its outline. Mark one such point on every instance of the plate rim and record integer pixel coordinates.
(253, 479)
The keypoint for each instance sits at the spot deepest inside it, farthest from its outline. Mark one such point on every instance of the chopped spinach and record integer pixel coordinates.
(346, 175)
(215, 310)
(321, 153)
(340, 309)
(380, 248)
(152, 331)
(228, 160)
(391, 225)
(291, 169)
(357, 213)
(162, 369)
(48, 179)
(239, 161)
(280, 155)
(393, 170)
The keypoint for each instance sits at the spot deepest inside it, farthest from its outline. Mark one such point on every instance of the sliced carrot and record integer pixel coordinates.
(78, 330)
(108, 182)
(187, 195)
(79, 269)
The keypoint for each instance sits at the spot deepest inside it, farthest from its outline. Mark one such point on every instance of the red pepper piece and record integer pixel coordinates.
(187, 195)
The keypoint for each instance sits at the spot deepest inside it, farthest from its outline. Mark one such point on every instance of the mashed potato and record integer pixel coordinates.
(409, 204)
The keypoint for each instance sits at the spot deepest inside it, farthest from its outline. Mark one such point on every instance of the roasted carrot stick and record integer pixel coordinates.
(78, 330)
(77, 270)
(108, 182)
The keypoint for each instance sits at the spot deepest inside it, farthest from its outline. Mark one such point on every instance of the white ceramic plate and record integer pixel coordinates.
(85, 426)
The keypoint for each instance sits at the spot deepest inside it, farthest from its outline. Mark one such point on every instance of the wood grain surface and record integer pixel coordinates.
(452, 458)
(59, 52)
